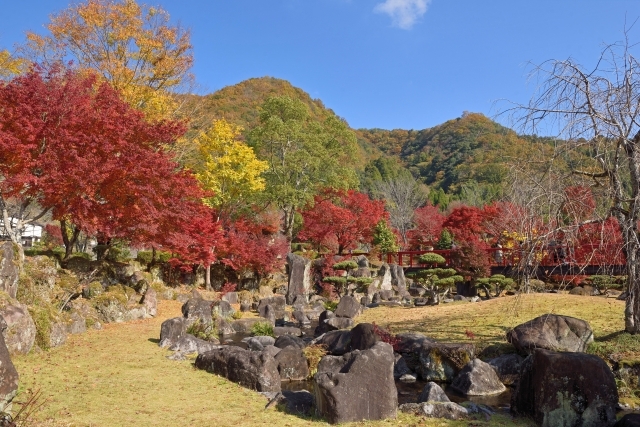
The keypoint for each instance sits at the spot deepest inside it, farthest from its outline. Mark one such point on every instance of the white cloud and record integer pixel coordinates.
(403, 13)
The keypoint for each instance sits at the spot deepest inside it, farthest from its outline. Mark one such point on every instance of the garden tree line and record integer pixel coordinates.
(108, 147)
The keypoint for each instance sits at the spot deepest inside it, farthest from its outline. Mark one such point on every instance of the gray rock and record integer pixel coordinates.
(278, 331)
(78, 324)
(301, 318)
(284, 341)
(271, 350)
(189, 344)
(387, 295)
(337, 343)
(400, 367)
(565, 389)
(57, 334)
(222, 309)
(385, 277)
(447, 410)
(244, 326)
(172, 330)
(432, 392)
(348, 307)
(11, 261)
(245, 307)
(269, 313)
(20, 332)
(408, 378)
(551, 332)
(150, 301)
(224, 327)
(198, 309)
(258, 343)
(277, 302)
(292, 364)
(507, 367)
(478, 378)
(8, 374)
(254, 370)
(364, 389)
(363, 261)
(299, 269)
(336, 323)
(363, 337)
(376, 298)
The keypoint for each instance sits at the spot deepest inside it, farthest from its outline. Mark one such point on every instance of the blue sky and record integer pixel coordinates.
(408, 64)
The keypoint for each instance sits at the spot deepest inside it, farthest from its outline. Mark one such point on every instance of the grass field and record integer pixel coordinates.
(119, 377)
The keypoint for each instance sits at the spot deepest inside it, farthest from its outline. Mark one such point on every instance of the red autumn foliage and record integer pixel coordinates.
(253, 244)
(52, 235)
(468, 226)
(386, 336)
(428, 225)
(73, 146)
(579, 204)
(226, 288)
(340, 220)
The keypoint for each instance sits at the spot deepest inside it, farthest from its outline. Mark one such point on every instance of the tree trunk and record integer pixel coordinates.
(207, 277)
(632, 306)
(289, 214)
(69, 241)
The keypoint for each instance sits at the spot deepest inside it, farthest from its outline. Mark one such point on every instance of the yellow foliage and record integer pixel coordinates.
(9, 66)
(229, 168)
(131, 46)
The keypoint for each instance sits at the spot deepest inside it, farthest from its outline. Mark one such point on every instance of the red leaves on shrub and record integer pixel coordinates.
(386, 336)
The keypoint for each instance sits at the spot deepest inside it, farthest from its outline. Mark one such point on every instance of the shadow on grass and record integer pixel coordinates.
(154, 340)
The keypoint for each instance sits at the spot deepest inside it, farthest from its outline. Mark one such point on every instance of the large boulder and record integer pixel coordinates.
(8, 375)
(384, 275)
(222, 309)
(277, 302)
(20, 332)
(348, 307)
(363, 336)
(507, 366)
(439, 362)
(188, 344)
(254, 370)
(11, 260)
(478, 378)
(172, 330)
(150, 302)
(363, 389)
(198, 309)
(629, 420)
(300, 285)
(551, 332)
(337, 343)
(269, 313)
(292, 364)
(284, 341)
(258, 343)
(57, 334)
(398, 281)
(432, 392)
(447, 410)
(565, 390)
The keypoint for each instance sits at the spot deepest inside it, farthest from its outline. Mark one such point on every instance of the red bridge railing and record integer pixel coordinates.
(584, 255)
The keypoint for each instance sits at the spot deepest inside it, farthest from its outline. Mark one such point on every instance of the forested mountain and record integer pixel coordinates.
(465, 158)
(240, 104)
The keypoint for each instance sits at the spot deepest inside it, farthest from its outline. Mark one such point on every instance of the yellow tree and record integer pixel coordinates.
(134, 47)
(9, 66)
(227, 167)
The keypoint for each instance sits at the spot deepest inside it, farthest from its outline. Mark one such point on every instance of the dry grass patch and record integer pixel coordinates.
(487, 322)
(119, 377)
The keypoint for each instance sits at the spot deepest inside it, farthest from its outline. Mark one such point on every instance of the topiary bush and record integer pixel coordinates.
(432, 258)
(204, 331)
(347, 265)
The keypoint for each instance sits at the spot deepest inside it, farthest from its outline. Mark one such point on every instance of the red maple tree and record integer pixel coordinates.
(340, 220)
(71, 145)
(428, 225)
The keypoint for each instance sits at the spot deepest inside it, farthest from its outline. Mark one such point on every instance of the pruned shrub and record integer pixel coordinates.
(314, 353)
(432, 258)
(204, 331)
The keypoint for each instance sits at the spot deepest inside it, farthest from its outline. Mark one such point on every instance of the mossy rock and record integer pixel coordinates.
(93, 290)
